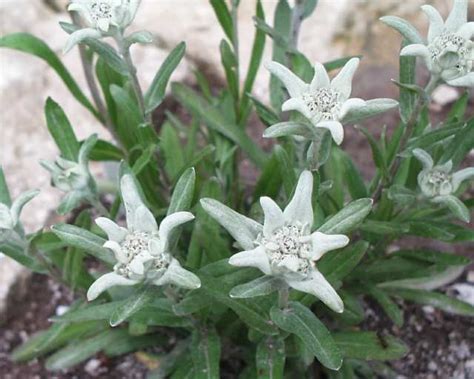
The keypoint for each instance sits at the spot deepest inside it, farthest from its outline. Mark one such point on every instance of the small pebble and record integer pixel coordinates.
(432, 366)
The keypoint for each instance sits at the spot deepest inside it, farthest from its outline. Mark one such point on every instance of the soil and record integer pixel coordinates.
(441, 345)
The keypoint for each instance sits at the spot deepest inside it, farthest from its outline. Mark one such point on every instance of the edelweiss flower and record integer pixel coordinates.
(284, 246)
(10, 215)
(100, 15)
(449, 51)
(141, 249)
(74, 178)
(326, 103)
(438, 183)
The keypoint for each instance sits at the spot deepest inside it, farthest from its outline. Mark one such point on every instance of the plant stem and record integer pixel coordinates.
(423, 99)
(124, 50)
(296, 19)
(283, 295)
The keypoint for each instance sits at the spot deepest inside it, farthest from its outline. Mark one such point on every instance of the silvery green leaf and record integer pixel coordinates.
(70, 201)
(288, 128)
(406, 29)
(20, 202)
(105, 282)
(371, 108)
(429, 283)
(348, 217)
(455, 205)
(424, 158)
(259, 287)
(132, 305)
(79, 36)
(462, 175)
(401, 195)
(85, 150)
(243, 229)
(177, 275)
(142, 37)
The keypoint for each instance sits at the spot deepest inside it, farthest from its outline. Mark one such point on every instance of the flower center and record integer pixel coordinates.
(451, 51)
(135, 243)
(101, 10)
(323, 102)
(285, 243)
(436, 182)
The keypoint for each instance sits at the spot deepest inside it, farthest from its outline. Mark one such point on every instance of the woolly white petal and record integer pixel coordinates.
(463, 81)
(343, 80)
(457, 16)
(144, 220)
(172, 221)
(351, 105)
(114, 232)
(318, 286)
(424, 158)
(178, 276)
(418, 50)
(300, 208)
(436, 22)
(131, 199)
(323, 243)
(320, 78)
(446, 167)
(120, 255)
(81, 8)
(296, 104)
(273, 216)
(290, 262)
(295, 86)
(252, 258)
(335, 128)
(466, 31)
(107, 281)
(461, 176)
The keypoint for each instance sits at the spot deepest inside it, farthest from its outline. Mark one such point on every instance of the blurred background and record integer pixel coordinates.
(337, 28)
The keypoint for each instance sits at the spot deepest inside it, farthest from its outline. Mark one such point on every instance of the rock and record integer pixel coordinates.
(463, 291)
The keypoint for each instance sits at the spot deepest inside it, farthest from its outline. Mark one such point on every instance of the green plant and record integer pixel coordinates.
(185, 275)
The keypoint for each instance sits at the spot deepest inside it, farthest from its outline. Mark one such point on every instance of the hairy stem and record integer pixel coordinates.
(283, 296)
(423, 100)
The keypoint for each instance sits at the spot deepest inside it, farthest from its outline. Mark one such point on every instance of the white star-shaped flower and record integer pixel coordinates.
(327, 103)
(438, 183)
(284, 246)
(100, 15)
(142, 249)
(449, 52)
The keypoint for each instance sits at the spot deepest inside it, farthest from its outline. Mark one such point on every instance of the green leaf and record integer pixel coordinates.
(270, 358)
(128, 116)
(337, 264)
(456, 113)
(172, 150)
(12, 249)
(460, 145)
(88, 312)
(156, 93)
(430, 138)
(370, 346)
(214, 120)
(4, 192)
(255, 58)
(183, 192)
(354, 180)
(270, 181)
(28, 43)
(224, 17)
(433, 256)
(286, 169)
(61, 130)
(407, 77)
(348, 217)
(262, 286)
(229, 62)
(105, 151)
(264, 113)
(84, 240)
(429, 229)
(206, 353)
(377, 154)
(35, 346)
(78, 352)
(456, 206)
(388, 305)
(299, 320)
(308, 8)
(288, 128)
(131, 306)
(384, 227)
(437, 300)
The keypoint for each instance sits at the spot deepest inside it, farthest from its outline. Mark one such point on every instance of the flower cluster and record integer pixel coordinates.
(73, 177)
(438, 183)
(284, 245)
(142, 249)
(449, 52)
(326, 103)
(100, 16)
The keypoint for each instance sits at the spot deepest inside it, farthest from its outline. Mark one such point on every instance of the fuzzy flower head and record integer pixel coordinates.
(448, 52)
(73, 177)
(326, 103)
(438, 183)
(284, 245)
(142, 249)
(101, 14)
(10, 214)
